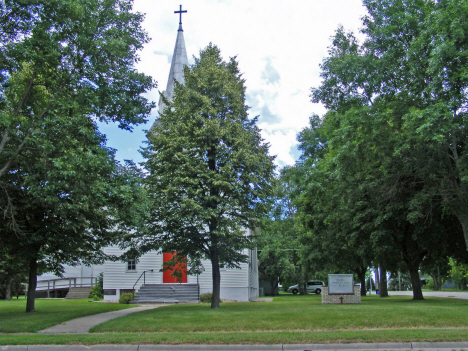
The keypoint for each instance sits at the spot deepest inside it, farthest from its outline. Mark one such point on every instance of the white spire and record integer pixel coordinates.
(179, 60)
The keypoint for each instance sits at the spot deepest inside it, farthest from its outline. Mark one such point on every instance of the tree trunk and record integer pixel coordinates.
(32, 283)
(361, 273)
(383, 291)
(463, 219)
(273, 286)
(302, 288)
(435, 279)
(8, 288)
(216, 279)
(439, 280)
(377, 279)
(416, 283)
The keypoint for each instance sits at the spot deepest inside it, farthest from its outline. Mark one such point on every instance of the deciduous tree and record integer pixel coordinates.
(209, 169)
(65, 65)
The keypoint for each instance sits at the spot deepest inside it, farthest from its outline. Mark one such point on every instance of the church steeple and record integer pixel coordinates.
(179, 60)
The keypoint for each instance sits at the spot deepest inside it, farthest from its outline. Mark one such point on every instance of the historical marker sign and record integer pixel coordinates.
(340, 284)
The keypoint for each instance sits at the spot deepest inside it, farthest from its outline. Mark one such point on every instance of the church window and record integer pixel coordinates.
(131, 265)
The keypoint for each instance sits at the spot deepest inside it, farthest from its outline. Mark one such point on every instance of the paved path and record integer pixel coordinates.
(450, 294)
(425, 346)
(84, 324)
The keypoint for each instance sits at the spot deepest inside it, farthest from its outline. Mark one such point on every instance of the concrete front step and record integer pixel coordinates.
(169, 286)
(166, 298)
(167, 293)
(162, 301)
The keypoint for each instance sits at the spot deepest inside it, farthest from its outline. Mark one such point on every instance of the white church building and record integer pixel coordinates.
(144, 275)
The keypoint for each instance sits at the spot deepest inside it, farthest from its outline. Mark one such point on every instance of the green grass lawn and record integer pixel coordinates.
(49, 312)
(288, 319)
(297, 313)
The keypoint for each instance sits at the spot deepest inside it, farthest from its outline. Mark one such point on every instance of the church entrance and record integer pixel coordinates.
(167, 278)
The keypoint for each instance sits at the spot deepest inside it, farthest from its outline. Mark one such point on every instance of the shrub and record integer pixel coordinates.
(206, 297)
(97, 291)
(429, 284)
(126, 298)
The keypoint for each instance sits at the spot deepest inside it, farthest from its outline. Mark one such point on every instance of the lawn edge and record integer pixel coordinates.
(293, 337)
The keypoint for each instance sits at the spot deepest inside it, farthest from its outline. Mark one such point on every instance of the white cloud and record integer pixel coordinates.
(279, 46)
(269, 74)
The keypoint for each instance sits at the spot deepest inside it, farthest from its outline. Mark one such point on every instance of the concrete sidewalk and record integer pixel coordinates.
(84, 324)
(448, 294)
(439, 346)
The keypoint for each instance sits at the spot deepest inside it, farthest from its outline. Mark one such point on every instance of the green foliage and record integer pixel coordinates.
(458, 272)
(438, 268)
(12, 286)
(277, 245)
(66, 64)
(126, 298)
(209, 170)
(13, 272)
(97, 291)
(382, 177)
(206, 297)
(430, 284)
(404, 281)
(331, 236)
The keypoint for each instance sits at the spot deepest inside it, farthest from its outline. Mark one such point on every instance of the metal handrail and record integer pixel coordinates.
(144, 278)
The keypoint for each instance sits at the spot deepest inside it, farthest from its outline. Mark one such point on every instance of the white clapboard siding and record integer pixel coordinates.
(116, 275)
(229, 277)
(236, 284)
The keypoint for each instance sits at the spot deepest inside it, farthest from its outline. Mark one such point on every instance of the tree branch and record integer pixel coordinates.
(25, 95)
(20, 146)
(4, 139)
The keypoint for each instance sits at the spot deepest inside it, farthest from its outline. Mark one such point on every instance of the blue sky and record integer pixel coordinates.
(279, 46)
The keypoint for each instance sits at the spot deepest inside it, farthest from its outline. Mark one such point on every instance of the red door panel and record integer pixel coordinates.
(167, 278)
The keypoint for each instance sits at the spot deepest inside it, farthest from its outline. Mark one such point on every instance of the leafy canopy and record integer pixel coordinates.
(209, 168)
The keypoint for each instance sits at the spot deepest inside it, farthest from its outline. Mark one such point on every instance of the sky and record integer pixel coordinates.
(279, 46)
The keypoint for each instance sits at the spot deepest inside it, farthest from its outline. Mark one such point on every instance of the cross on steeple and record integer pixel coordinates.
(180, 12)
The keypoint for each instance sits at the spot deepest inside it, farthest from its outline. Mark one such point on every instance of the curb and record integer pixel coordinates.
(425, 346)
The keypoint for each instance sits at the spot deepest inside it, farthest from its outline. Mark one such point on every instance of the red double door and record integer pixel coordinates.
(167, 278)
